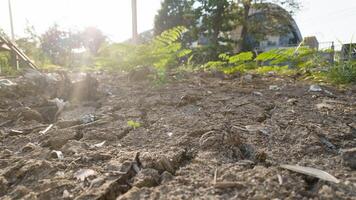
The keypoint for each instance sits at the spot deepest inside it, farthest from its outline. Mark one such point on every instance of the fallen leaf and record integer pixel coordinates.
(311, 172)
(99, 145)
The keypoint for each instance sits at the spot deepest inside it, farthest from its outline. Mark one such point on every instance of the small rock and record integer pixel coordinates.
(166, 177)
(292, 101)
(257, 94)
(315, 88)
(324, 105)
(86, 119)
(274, 87)
(82, 174)
(326, 192)
(248, 77)
(349, 157)
(328, 92)
(147, 178)
(28, 148)
(66, 194)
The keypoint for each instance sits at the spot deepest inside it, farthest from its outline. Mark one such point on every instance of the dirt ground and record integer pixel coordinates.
(198, 136)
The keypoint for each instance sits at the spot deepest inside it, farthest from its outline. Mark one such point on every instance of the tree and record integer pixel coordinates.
(31, 45)
(92, 39)
(174, 13)
(260, 28)
(58, 45)
(217, 18)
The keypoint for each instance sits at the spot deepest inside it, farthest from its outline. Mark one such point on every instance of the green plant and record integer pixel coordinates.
(241, 62)
(163, 53)
(133, 124)
(343, 72)
(5, 66)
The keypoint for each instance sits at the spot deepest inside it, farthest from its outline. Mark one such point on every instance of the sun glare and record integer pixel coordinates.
(113, 17)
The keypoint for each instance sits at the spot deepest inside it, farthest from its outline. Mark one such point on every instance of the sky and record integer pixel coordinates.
(327, 19)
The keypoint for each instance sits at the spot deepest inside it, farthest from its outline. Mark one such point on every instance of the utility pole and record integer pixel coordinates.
(134, 21)
(14, 58)
(11, 22)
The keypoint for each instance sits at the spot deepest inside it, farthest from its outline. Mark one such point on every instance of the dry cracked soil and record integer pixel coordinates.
(196, 137)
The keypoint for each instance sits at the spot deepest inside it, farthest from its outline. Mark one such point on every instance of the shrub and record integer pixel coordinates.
(163, 52)
(343, 72)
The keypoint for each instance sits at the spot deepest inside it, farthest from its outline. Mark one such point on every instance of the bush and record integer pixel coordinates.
(163, 52)
(343, 72)
(5, 66)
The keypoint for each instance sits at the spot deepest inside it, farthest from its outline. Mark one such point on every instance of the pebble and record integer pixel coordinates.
(274, 87)
(315, 88)
(292, 101)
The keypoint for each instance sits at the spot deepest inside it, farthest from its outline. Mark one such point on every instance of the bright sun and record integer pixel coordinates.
(111, 16)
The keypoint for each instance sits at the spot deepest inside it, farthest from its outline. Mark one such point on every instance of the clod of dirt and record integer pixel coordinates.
(49, 111)
(26, 172)
(132, 194)
(3, 186)
(97, 182)
(321, 106)
(7, 153)
(261, 117)
(210, 140)
(59, 138)
(146, 178)
(28, 148)
(29, 114)
(165, 163)
(349, 157)
(292, 101)
(166, 177)
(66, 195)
(326, 192)
(188, 99)
(68, 123)
(74, 147)
(20, 192)
(82, 174)
(126, 167)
